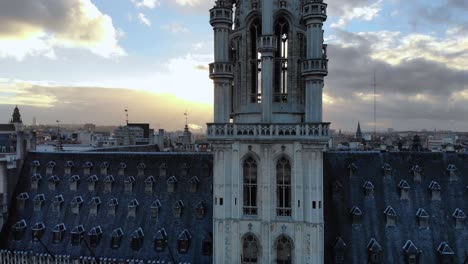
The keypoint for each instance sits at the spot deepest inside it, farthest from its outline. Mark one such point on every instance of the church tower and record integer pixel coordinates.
(268, 135)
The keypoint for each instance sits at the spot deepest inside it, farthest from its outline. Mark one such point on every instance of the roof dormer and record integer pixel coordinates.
(74, 182)
(94, 206)
(132, 208)
(38, 231)
(141, 169)
(35, 180)
(352, 169)
(38, 201)
(21, 200)
(178, 207)
(201, 210)
(95, 235)
(452, 172)
(104, 167)
(171, 184)
(368, 188)
(92, 182)
(387, 170)
(68, 167)
(390, 216)
(108, 183)
(445, 253)
(122, 168)
(194, 183)
(76, 205)
(50, 168)
(404, 188)
(411, 252)
(77, 235)
(116, 238)
(19, 229)
(356, 215)
(53, 181)
(129, 182)
(416, 172)
(435, 190)
(339, 249)
(162, 170)
(160, 240)
(375, 252)
(57, 203)
(137, 238)
(112, 206)
(58, 233)
(459, 217)
(35, 167)
(184, 241)
(155, 209)
(423, 218)
(149, 184)
(87, 167)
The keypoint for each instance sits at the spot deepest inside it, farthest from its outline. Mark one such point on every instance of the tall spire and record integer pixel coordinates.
(358, 131)
(16, 117)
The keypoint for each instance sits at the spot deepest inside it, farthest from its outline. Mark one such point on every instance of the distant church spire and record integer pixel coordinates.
(16, 117)
(358, 131)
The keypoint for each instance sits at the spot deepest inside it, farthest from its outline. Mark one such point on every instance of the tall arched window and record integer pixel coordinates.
(283, 187)
(255, 63)
(284, 250)
(250, 186)
(281, 60)
(250, 249)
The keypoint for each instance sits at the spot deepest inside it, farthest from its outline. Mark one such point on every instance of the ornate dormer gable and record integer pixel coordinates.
(38, 231)
(416, 171)
(19, 229)
(38, 201)
(35, 166)
(201, 210)
(459, 217)
(58, 233)
(57, 203)
(68, 167)
(356, 215)
(162, 170)
(92, 182)
(339, 249)
(404, 188)
(77, 235)
(352, 169)
(116, 238)
(171, 184)
(149, 184)
(136, 239)
(132, 208)
(35, 180)
(129, 182)
(95, 235)
(452, 172)
(411, 252)
(122, 169)
(21, 200)
(184, 241)
(193, 183)
(155, 209)
(184, 169)
(446, 253)
(76, 204)
(390, 216)
(87, 167)
(74, 182)
(387, 170)
(50, 168)
(160, 240)
(178, 208)
(141, 169)
(423, 218)
(112, 205)
(108, 183)
(94, 206)
(375, 252)
(368, 188)
(104, 168)
(435, 191)
(53, 181)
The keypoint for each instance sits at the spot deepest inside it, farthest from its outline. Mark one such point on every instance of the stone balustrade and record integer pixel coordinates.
(267, 43)
(221, 70)
(315, 66)
(315, 10)
(268, 131)
(220, 15)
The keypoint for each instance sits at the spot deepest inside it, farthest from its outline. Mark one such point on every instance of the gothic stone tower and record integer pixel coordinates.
(268, 135)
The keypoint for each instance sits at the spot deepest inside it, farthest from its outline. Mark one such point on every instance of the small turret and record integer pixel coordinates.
(16, 119)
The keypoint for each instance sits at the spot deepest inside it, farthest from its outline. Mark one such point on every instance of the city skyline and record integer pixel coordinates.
(88, 65)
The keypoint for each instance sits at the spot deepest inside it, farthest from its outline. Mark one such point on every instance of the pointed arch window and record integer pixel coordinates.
(284, 249)
(250, 249)
(283, 187)
(250, 186)
(255, 63)
(281, 60)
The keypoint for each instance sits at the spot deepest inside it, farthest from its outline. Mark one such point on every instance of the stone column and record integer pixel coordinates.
(268, 52)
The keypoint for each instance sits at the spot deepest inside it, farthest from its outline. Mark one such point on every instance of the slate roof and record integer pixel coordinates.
(188, 226)
(441, 234)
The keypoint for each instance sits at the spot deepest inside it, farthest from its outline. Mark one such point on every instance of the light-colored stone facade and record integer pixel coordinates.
(270, 62)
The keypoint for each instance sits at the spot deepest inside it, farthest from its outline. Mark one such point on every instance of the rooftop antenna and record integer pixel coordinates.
(186, 118)
(375, 104)
(126, 113)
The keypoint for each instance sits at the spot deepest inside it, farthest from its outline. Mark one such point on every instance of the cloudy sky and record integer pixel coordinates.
(87, 60)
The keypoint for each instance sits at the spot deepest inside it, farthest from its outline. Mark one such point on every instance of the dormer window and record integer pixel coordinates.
(149, 184)
(108, 183)
(459, 217)
(435, 189)
(160, 240)
(116, 238)
(137, 238)
(58, 233)
(76, 204)
(95, 235)
(38, 201)
(352, 169)
(171, 184)
(356, 215)
(194, 182)
(112, 206)
(53, 181)
(92, 182)
(374, 251)
(184, 241)
(18, 229)
(122, 168)
(104, 168)
(57, 203)
(404, 188)
(35, 180)
(94, 205)
(21, 200)
(452, 172)
(34, 167)
(162, 170)
(38, 230)
(390, 216)
(411, 253)
(423, 218)
(74, 181)
(184, 169)
(416, 172)
(339, 249)
(177, 210)
(87, 166)
(69, 165)
(155, 209)
(445, 253)
(141, 169)
(77, 235)
(387, 170)
(368, 189)
(50, 168)
(201, 210)
(128, 184)
(132, 208)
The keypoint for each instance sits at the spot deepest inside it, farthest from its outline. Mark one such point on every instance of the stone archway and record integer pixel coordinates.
(284, 250)
(250, 249)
